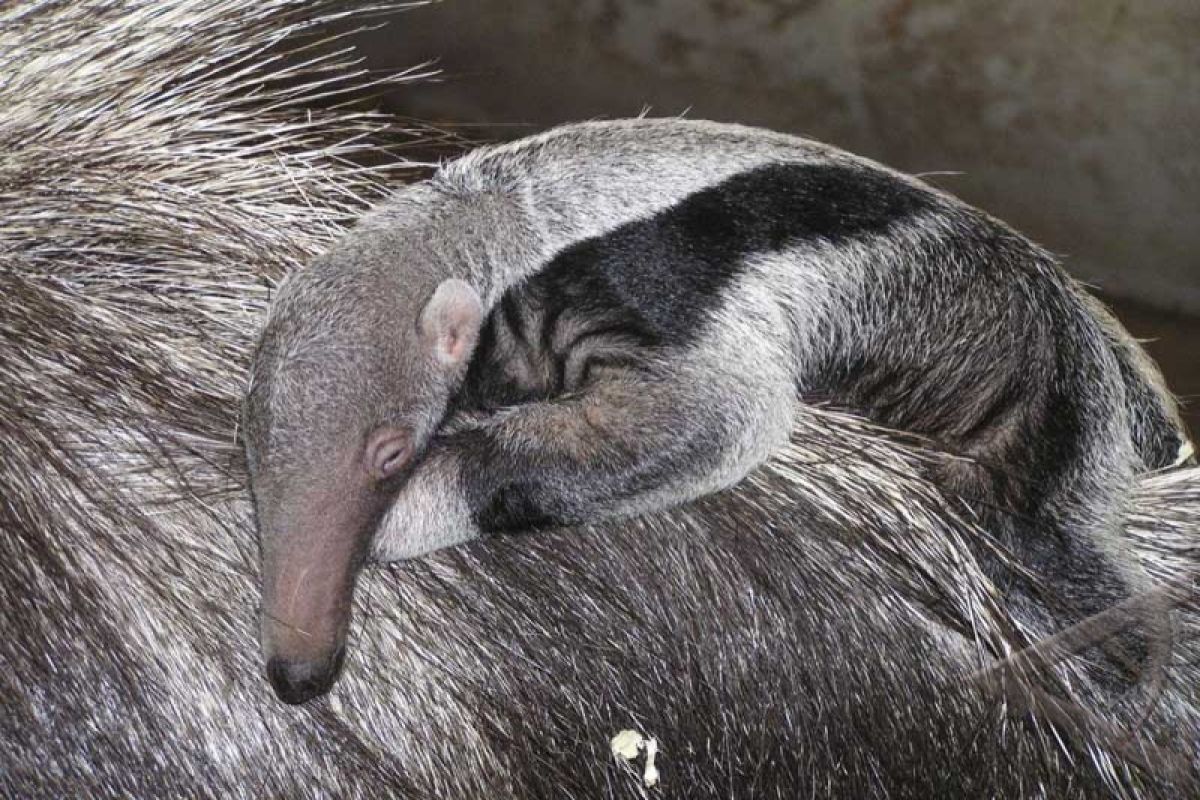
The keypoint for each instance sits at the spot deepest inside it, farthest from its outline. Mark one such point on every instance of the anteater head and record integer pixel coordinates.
(351, 377)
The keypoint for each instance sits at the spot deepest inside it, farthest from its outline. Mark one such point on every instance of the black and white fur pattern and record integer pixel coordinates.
(793, 637)
(666, 265)
(658, 301)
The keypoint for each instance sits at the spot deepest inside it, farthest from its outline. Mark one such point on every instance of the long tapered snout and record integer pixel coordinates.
(307, 598)
(311, 559)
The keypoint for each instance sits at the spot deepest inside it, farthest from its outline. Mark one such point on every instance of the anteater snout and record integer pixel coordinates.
(298, 681)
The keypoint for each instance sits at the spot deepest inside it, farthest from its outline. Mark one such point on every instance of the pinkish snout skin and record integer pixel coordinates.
(311, 556)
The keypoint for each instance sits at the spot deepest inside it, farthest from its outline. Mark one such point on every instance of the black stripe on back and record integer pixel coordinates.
(654, 281)
(668, 270)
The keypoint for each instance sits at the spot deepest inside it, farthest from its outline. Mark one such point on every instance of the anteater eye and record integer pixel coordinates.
(388, 451)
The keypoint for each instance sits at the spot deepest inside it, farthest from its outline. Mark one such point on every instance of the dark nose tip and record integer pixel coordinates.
(297, 682)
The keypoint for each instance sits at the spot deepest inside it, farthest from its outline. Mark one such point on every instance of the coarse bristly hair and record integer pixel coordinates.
(161, 166)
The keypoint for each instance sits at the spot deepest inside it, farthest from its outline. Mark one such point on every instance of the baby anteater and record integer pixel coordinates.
(616, 317)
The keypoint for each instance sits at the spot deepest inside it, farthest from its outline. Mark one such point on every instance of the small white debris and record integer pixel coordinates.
(628, 744)
(650, 778)
(335, 705)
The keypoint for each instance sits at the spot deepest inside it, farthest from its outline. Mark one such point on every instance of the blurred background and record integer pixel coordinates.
(1076, 122)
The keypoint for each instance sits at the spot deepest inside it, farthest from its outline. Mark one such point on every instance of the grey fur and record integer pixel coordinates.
(789, 638)
(935, 320)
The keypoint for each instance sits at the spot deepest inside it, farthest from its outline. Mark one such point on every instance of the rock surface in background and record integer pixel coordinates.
(1075, 122)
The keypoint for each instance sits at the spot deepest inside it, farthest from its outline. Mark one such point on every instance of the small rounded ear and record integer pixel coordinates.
(388, 451)
(450, 322)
